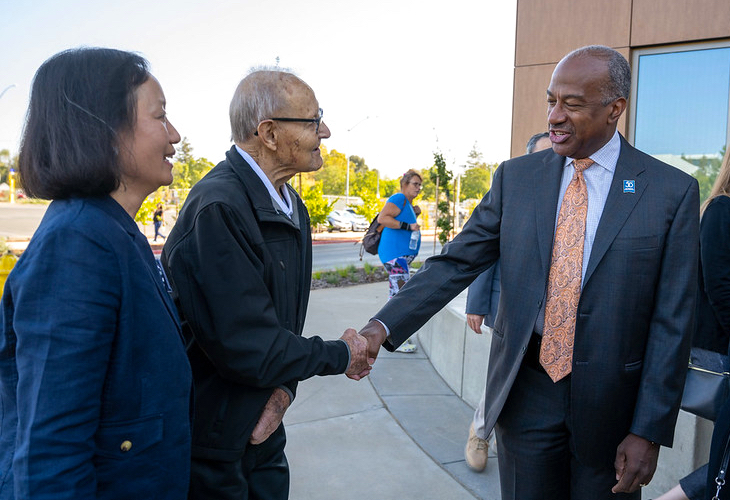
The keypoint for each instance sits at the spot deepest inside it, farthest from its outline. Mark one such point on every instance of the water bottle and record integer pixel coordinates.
(415, 238)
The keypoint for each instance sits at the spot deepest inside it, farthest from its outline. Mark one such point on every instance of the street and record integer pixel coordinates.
(19, 221)
(327, 256)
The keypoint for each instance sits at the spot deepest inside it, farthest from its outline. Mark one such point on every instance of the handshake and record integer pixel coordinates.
(364, 347)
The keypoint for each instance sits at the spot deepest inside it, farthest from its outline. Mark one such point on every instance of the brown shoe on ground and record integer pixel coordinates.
(476, 451)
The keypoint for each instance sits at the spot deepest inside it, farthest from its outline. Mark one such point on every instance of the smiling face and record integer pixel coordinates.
(299, 141)
(145, 151)
(578, 122)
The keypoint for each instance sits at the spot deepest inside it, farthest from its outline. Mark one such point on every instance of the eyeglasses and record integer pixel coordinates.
(316, 121)
(417, 184)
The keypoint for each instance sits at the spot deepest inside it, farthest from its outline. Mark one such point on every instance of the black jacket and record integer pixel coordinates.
(240, 271)
(713, 298)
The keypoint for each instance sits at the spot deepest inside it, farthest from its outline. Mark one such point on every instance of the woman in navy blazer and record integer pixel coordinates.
(94, 380)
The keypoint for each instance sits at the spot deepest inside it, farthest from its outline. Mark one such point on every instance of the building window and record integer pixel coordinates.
(680, 112)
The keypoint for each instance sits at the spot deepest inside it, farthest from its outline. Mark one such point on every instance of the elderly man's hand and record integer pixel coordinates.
(271, 417)
(635, 463)
(360, 364)
(475, 322)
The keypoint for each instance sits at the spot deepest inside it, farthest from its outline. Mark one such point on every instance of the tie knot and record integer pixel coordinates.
(582, 164)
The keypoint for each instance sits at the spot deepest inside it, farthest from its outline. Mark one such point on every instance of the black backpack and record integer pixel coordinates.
(371, 240)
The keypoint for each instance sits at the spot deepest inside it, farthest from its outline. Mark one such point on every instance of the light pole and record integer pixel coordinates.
(347, 167)
(11, 173)
(6, 89)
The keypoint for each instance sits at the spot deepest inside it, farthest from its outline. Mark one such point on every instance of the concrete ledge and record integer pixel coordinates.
(461, 358)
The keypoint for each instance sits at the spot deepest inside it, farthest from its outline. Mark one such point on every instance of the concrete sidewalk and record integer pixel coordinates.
(399, 434)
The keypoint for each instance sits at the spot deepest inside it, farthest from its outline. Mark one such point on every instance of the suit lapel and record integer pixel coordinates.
(547, 178)
(619, 204)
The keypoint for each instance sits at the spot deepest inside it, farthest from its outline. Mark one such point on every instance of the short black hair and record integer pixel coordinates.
(533, 141)
(80, 99)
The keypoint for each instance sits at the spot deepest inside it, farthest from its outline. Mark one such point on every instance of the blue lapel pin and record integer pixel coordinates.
(630, 186)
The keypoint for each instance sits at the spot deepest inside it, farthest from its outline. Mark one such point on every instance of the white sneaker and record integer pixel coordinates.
(407, 346)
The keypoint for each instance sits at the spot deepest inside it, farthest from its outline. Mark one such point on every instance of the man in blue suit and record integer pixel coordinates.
(593, 429)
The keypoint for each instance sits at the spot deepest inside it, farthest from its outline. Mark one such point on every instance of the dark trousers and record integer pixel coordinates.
(535, 444)
(261, 474)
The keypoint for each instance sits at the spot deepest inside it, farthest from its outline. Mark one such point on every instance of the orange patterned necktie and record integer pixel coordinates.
(566, 270)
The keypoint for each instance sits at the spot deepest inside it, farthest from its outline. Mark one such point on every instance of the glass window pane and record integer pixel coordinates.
(682, 102)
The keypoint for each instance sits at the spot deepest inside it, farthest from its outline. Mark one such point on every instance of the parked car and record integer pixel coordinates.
(359, 222)
(345, 220)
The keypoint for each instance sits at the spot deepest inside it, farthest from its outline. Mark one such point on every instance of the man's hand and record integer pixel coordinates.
(360, 365)
(271, 417)
(635, 463)
(376, 334)
(475, 322)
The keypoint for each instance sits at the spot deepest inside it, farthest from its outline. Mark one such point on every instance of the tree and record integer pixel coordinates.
(440, 176)
(187, 170)
(364, 181)
(332, 174)
(706, 173)
(6, 163)
(145, 212)
(475, 183)
(371, 205)
(317, 206)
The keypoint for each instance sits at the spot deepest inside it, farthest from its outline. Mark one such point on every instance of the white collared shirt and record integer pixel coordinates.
(598, 181)
(284, 203)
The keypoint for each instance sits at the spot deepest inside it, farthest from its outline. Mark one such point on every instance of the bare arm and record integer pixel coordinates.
(389, 213)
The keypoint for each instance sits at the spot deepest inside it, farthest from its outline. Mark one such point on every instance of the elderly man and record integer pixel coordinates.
(598, 248)
(239, 262)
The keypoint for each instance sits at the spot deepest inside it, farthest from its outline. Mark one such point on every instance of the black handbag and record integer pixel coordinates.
(708, 383)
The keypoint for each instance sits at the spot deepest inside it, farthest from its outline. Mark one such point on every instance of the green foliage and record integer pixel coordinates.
(416, 264)
(371, 205)
(348, 272)
(706, 173)
(368, 268)
(6, 163)
(475, 183)
(363, 181)
(145, 212)
(317, 205)
(388, 187)
(187, 170)
(332, 174)
(443, 176)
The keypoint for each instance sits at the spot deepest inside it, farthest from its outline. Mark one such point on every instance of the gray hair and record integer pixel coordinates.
(533, 141)
(618, 83)
(259, 96)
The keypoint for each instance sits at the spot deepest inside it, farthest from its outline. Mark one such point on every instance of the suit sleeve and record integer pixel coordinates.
(670, 328)
(444, 276)
(219, 281)
(66, 305)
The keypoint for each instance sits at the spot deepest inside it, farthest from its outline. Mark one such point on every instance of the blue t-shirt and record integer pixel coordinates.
(394, 242)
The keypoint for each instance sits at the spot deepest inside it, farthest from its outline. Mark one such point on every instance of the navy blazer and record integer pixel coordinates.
(636, 309)
(483, 295)
(95, 384)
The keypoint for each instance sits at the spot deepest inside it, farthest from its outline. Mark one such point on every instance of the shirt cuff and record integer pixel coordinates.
(288, 391)
(387, 330)
(349, 354)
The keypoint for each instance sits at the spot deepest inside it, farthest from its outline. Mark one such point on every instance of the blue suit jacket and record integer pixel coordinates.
(636, 309)
(483, 295)
(95, 384)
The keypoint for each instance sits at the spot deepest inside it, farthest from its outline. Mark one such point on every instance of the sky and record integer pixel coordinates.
(397, 79)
